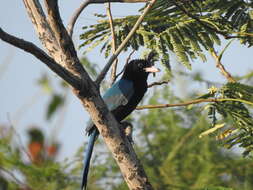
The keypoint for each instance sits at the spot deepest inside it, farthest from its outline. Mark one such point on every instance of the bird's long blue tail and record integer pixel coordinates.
(87, 157)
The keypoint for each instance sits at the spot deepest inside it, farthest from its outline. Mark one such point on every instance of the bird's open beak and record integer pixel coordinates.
(151, 69)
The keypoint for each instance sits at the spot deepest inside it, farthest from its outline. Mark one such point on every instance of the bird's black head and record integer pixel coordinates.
(139, 69)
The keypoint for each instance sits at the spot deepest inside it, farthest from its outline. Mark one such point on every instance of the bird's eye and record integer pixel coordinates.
(140, 65)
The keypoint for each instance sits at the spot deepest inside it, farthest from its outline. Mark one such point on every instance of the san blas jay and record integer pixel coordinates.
(121, 99)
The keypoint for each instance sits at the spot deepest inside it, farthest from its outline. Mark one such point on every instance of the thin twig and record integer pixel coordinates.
(123, 44)
(79, 10)
(61, 116)
(6, 62)
(19, 139)
(26, 105)
(74, 17)
(158, 83)
(220, 66)
(197, 101)
(127, 61)
(120, 73)
(129, 57)
(114, 43)
(179, 145)
(244, 33)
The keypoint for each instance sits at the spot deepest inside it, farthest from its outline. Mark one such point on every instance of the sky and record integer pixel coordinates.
(22, 102)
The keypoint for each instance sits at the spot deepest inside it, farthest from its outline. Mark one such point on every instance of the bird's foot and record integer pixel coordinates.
(127, 130)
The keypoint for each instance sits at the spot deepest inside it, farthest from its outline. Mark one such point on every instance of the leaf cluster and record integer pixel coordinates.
(167, 143)
(19, 173)
(236, 114)
(186, 28)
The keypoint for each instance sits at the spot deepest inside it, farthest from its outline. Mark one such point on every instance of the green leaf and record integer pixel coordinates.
(55, 103)
(179, 50)
(224, 49)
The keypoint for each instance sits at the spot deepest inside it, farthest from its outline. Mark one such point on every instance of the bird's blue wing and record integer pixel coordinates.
(119, 94)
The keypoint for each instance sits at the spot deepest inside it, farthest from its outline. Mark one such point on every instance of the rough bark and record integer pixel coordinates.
(62, 59)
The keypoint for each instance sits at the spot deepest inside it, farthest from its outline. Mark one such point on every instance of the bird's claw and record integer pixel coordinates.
(127, 130)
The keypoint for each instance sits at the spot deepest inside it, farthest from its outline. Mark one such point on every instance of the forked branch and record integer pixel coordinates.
(62, 37)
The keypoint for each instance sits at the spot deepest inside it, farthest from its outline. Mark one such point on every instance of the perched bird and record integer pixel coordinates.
(121, 99)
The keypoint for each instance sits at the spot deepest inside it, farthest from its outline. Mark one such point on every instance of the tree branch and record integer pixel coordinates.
(114, 44)
(62, 37)
(220, 66)
(158, 83)
(197, 101)
(42, 56)
(41, 26)
(106, 123)
(127, 61)
(123, 44)
(74, 17)
(79, 10)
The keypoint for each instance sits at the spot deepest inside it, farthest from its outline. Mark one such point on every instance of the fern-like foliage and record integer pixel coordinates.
(240, 129)
(185, 28)
(238, 16)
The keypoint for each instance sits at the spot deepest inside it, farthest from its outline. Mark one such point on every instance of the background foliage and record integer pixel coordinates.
(190, 29)
(168, 142)
(186, 28)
